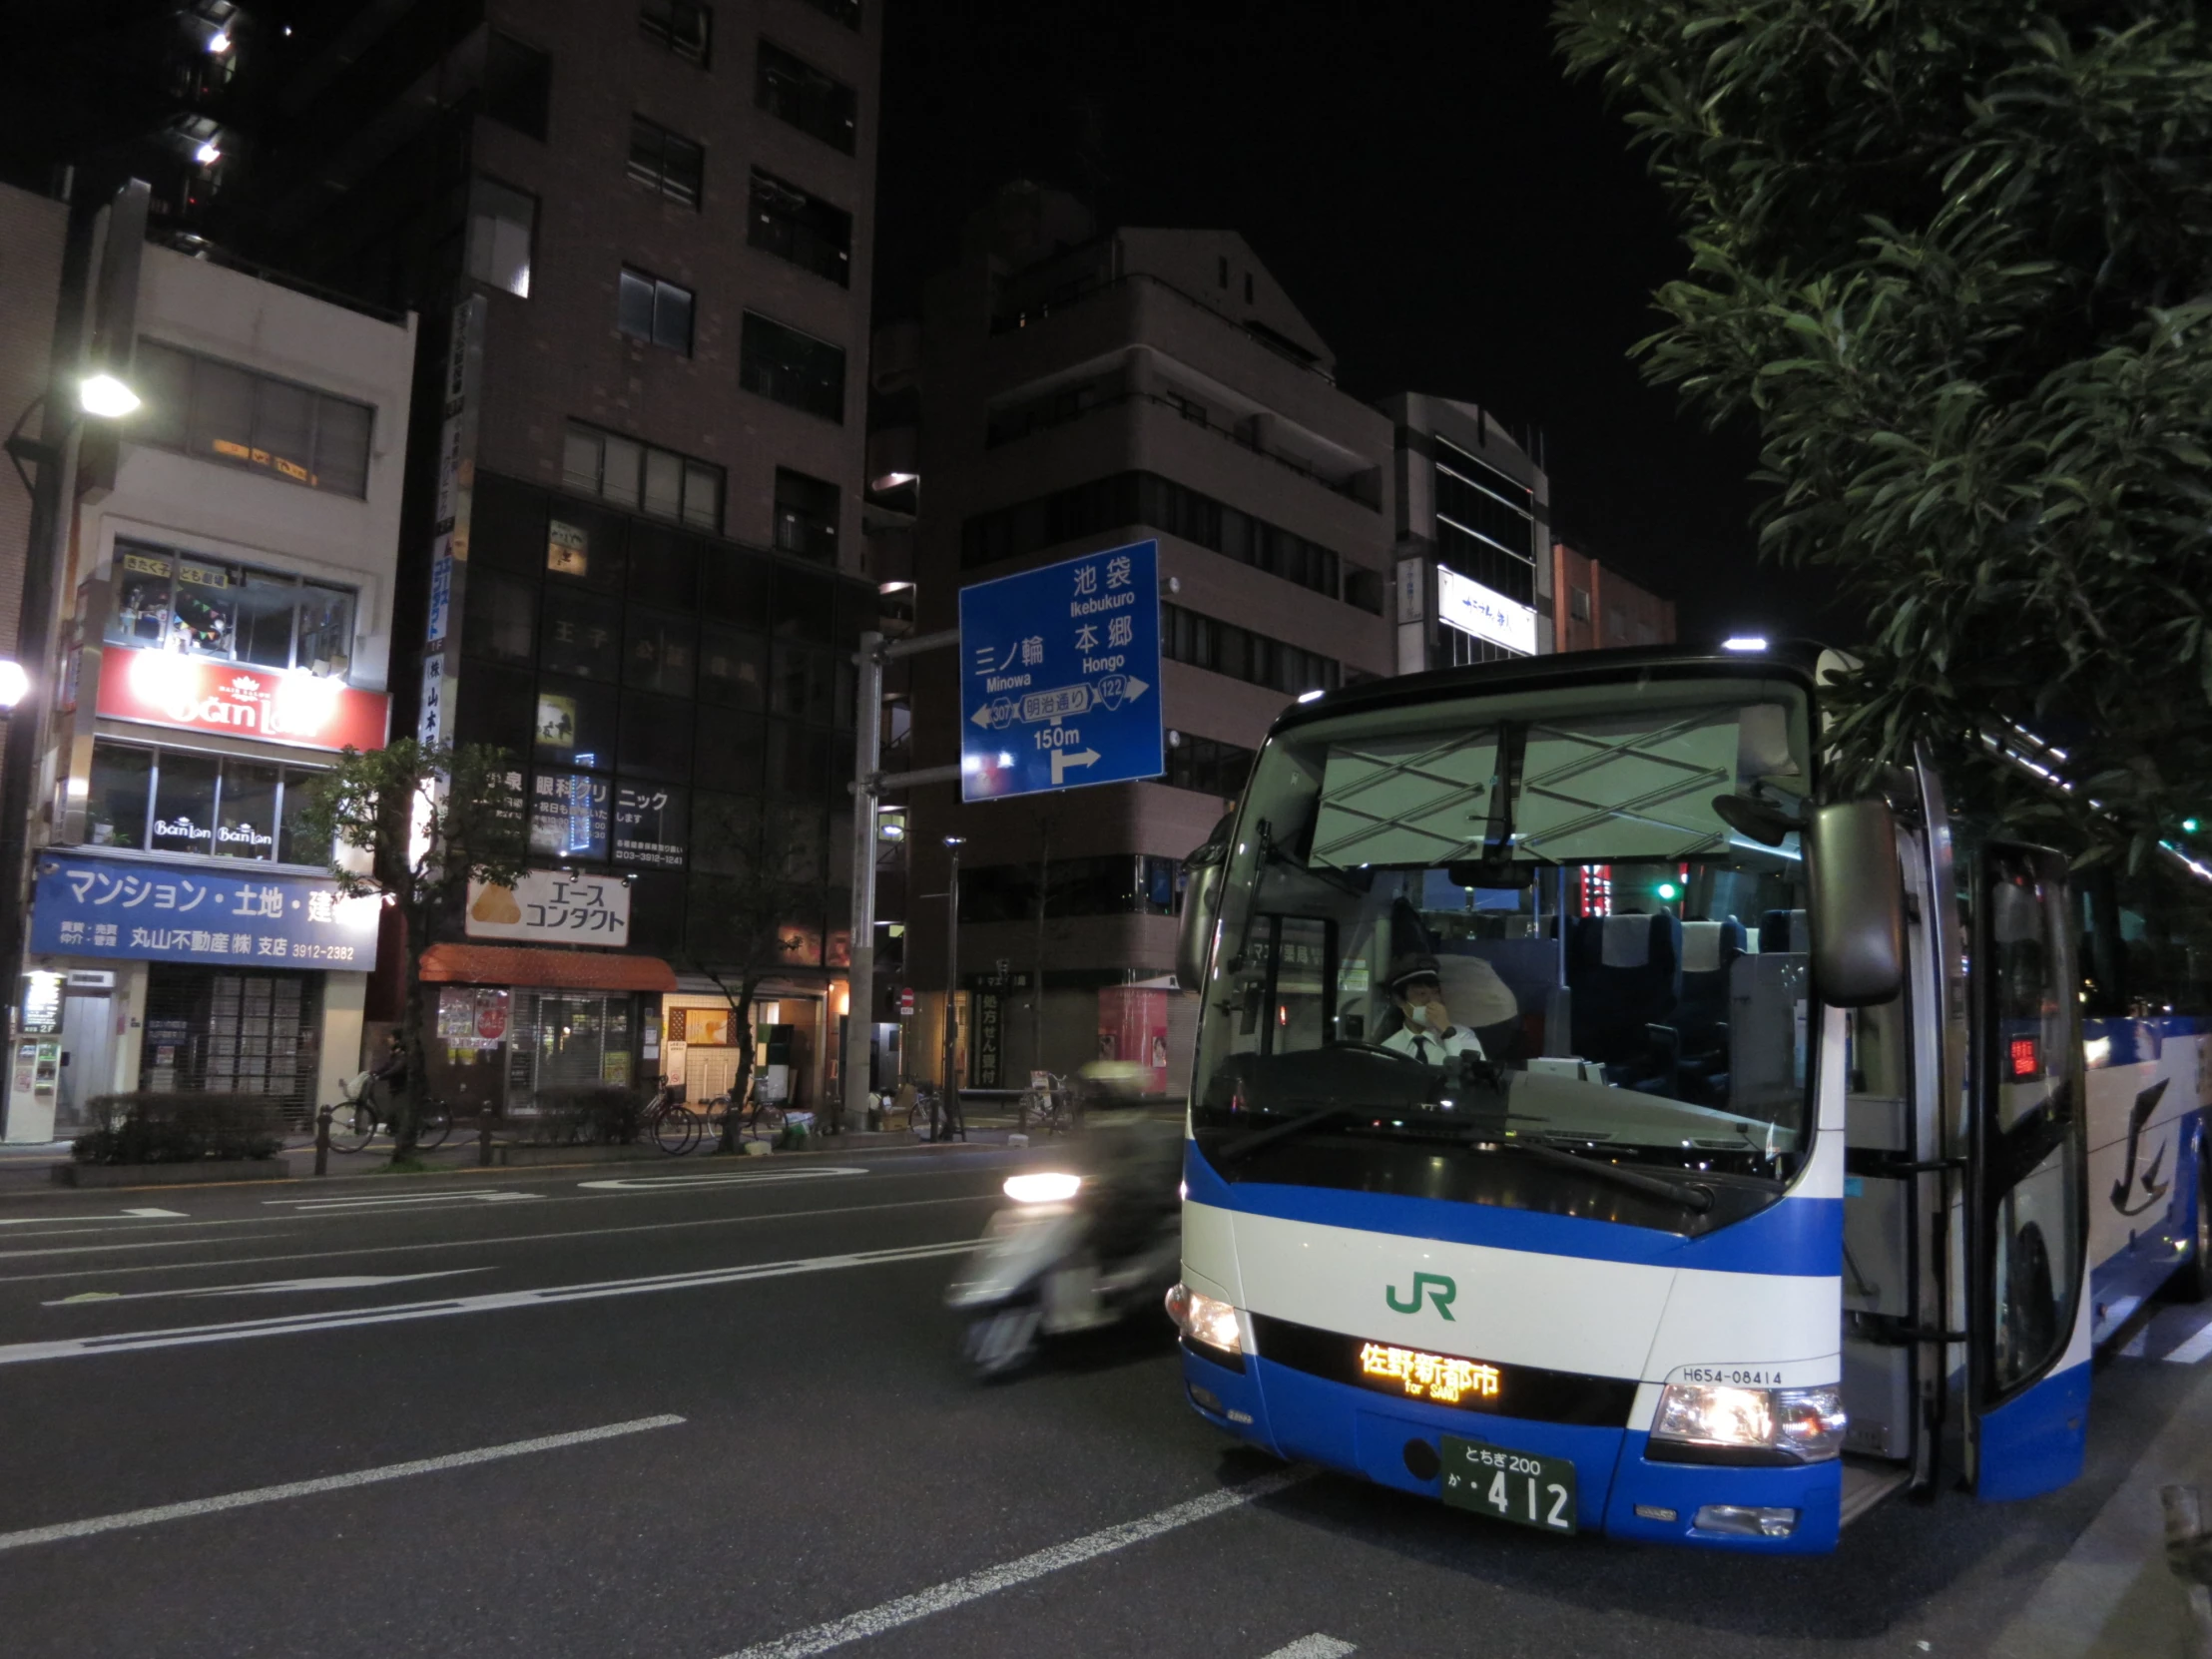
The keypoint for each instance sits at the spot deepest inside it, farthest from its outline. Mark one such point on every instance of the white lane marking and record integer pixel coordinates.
(671, 1183)
(1316, 1646)
(272, 1287)
(106, 1214)
(328, 1483)
(2195, 1348)
(450, 1244)
(2137, 1346)
(477, 1195)
(855, 1627)
(339, 1319)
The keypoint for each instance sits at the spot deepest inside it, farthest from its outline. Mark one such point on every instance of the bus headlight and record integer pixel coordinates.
(1205, 1320)
(1705, 1424)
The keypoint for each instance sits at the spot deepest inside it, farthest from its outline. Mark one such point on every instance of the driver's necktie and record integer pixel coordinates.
(1421, 1049)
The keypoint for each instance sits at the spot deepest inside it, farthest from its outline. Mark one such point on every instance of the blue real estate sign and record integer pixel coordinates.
(1060, 676)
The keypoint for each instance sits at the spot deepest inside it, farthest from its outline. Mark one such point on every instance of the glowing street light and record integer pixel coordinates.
(220, 42)
(15, 684)
(104, 396)
(207, 153)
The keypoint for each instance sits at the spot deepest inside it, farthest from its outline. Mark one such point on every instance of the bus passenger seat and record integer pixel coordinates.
(1709, 950)
(1625, 972)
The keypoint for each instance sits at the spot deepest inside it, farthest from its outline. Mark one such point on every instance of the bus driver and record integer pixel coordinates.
(1428, 1034)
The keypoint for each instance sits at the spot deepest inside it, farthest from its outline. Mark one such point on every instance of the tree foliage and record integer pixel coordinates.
(430, 818)
(1951, 257)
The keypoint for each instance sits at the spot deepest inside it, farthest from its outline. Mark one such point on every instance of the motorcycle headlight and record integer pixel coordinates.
(1045, 1187)
(1205, 1320)
(1699, 1424)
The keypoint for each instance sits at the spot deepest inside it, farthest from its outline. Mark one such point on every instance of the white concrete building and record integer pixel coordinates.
(227, 628)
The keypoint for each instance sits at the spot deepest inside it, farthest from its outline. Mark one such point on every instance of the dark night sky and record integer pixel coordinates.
(1451, 214)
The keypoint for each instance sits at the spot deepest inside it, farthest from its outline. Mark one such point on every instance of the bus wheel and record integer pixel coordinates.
(2193, 1282)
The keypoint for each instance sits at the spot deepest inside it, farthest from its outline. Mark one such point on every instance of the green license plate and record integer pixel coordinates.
(1518, 1486)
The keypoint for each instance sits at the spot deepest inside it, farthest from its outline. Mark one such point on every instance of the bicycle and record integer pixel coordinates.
(357, 1119)
(668, 1122)
(1051, 1110)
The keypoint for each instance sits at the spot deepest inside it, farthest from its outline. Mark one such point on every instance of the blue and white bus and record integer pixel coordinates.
(1596, 1127)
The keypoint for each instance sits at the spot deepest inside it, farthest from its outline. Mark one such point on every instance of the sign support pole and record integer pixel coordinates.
(869, 784)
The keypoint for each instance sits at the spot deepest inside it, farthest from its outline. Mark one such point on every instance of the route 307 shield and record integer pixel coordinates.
(1060, 676)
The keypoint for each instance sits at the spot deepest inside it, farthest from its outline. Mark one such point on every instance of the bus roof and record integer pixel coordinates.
(1795, 659)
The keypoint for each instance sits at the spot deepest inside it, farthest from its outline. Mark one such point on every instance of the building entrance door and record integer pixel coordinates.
(88, 1059)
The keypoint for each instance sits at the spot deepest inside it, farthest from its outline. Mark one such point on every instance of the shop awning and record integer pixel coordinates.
(571, 971)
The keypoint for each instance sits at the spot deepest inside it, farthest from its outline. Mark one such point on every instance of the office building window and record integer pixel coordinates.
(201, 606)
(672, 165)
(1485, 523)
(219, 411)
(806, 515)
(168, 801)
(639, 476)
(1208, 766)
(792, 368)
(792, 90)
(682, 26)
(1129, 499)
(847, 12)
(803, 229)
(1225, 648)
(518, 85)
(650, 309)
(501, 225)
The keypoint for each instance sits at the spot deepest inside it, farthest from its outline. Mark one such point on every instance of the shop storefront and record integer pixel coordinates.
(798, 1036)
(192, 978)
(514, 1021)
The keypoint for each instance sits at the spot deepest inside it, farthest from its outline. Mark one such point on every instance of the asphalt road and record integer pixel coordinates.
(691, 1412)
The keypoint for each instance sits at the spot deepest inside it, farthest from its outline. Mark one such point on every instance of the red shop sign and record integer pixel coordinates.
(199, 693)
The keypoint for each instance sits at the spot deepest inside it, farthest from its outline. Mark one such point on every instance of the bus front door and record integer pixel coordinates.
(2028, 1320)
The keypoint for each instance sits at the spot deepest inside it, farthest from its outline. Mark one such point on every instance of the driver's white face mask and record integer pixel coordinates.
(1417, 1012)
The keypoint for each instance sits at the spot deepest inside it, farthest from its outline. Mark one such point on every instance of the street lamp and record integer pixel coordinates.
(14, 683)
(106, 396)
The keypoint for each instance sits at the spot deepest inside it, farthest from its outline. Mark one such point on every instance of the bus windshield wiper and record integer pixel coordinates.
(1689, 1197)
(1246, 1144)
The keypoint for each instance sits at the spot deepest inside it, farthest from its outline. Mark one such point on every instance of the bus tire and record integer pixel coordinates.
(2193, 1282)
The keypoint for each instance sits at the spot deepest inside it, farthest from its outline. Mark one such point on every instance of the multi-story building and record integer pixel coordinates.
(1079, 391)
(1595, 607)
(639, 238)
(32, 231)
(1473, 510)
(228, 581)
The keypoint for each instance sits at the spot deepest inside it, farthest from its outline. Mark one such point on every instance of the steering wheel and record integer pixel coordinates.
(1375, 1048)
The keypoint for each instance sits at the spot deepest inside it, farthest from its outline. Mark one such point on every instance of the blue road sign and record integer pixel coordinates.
(1060, 676)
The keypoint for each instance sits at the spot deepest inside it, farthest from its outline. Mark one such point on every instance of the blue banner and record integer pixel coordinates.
(149, 912)
(1060, 676)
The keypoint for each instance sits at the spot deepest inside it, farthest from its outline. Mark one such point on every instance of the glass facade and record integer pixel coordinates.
(680, 705)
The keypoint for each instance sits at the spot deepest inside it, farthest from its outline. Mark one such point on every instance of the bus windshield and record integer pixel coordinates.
(1508, 950)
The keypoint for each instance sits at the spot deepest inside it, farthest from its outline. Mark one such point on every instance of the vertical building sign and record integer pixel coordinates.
(464, 377)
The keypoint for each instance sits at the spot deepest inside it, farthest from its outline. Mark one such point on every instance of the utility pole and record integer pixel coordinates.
(953, 844)
(1036, 972)
(868, 784)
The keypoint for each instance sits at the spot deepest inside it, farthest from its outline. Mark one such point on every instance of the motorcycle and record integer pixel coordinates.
(1072, 1250)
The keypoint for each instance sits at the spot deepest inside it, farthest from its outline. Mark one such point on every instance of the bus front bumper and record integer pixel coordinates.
(1620, 1490)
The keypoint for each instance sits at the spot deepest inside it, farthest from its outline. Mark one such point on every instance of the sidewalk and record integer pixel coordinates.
(29, 1169)
(2111, 1597)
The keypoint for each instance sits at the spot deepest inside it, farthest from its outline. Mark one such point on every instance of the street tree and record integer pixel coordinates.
(752, 879)
(425, 819)
(1953, 257)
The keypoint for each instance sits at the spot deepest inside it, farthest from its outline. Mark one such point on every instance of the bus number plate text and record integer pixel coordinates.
(1518, 1486)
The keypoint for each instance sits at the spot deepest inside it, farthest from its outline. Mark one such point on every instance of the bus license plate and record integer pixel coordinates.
(1518, 1486)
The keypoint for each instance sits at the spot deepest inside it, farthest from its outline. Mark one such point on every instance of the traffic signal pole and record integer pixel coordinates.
(869, 784)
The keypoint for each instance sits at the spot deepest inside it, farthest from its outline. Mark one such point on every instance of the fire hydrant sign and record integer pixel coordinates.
(547, 907)
(1060, 676)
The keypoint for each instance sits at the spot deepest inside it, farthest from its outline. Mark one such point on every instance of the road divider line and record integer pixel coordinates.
(328, 1483)
(2196, 1348)
(1316, 1646)
(718, 1178)
(273, 1287)
(991, 1197)
(339, 1319)
(956, 1592)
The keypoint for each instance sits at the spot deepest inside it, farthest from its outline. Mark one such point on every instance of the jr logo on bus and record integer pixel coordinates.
(1442, 1292)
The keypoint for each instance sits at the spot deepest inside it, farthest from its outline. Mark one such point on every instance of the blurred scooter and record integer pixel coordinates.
(1075, 1249)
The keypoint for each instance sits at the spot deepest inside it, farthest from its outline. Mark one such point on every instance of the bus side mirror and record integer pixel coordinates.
(1858, 919)
(1201, 903)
